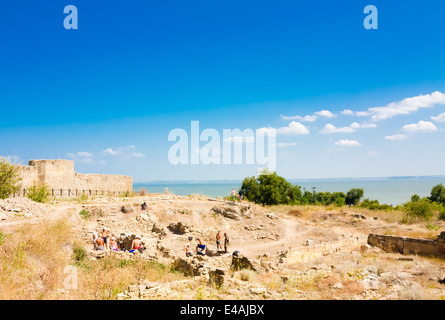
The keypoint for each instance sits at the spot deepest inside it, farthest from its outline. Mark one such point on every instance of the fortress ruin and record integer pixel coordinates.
(60, 175)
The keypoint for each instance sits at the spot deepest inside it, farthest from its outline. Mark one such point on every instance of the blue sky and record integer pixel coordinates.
(107, 94)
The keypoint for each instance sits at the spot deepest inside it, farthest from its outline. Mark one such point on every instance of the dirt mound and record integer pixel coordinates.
(20, 207)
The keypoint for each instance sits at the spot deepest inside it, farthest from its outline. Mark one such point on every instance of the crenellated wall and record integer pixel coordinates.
(59, 174)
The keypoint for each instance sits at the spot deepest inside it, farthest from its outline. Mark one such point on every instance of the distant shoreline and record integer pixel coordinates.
(294, 180)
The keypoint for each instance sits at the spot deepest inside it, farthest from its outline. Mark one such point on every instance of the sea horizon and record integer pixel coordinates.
(387, 190)
(201, 181)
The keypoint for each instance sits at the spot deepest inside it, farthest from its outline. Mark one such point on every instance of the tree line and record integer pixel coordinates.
(268, 188)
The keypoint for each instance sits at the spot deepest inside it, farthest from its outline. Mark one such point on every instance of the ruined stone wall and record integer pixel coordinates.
(59, 174)
(314, 251)
(109, 182)
(405, 245)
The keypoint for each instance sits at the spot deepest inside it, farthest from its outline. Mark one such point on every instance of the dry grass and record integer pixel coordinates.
(34, 261)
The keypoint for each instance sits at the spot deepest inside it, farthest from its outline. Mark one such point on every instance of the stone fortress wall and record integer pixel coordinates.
(59, 174)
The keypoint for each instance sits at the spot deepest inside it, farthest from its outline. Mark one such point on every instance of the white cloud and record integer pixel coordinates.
(84, 154)
(421, 126)
(296, 128)
(362, 113)
(396, 137)
(439, 118)
(348, 112)
(325, 113)
(310, 118)
(407, 106)
(111, 152)
(138, 155)
(286, 144)
(300, 118)
(330, 128)
(348, 143)
(357, 125)
(269, 131)
(356, 113)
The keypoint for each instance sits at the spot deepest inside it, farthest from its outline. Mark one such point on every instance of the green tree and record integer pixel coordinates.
(438, 194)
(10, 179)
(353, 196)
(270, 189)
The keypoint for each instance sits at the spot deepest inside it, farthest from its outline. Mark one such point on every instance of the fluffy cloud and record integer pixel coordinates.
(348, 143)
(295, 128)
(362, 113)
(310, 118)
(305, 118)
(325, 113)
(421, 126)
(348, 112)
(396, 137)
(84, 154)
(268, 131)
(286, 144)
(110, 152)
(138, 155)
(407, 106)
(357, 125)
(355, 113)
(439, 118)
(330, 128)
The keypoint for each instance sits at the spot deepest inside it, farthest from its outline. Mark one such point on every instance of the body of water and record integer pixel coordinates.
(386, 190)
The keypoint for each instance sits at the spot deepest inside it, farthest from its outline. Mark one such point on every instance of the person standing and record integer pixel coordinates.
(95, 236)
(233, 194)
(241, 194)
(144, 208)
(226, 242)
(218, 240)
(105, 237)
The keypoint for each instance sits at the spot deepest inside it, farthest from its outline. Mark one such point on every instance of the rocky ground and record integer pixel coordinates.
(313, 254)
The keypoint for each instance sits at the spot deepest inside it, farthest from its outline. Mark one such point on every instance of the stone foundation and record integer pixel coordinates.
(404, 245)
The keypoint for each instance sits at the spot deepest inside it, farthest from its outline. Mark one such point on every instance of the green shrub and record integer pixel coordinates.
(39, 194)
(423, 208)
(84, 213)
(10, 180)
(442, 215)
(79, 253)
(340, 201)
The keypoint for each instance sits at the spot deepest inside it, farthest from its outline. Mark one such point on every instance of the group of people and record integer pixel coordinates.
(102, 241)
(201, 247)
(240, 194)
